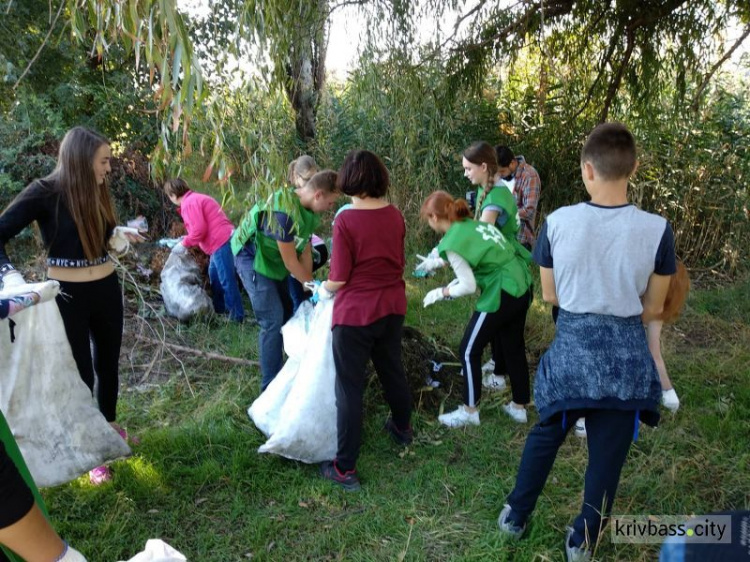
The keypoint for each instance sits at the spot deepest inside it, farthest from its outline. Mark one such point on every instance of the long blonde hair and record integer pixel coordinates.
(90, 204)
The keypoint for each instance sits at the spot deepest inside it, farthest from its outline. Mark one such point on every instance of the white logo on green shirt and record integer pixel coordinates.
(489, 232)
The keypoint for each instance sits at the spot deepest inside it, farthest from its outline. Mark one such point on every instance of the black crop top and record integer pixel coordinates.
(42, 202)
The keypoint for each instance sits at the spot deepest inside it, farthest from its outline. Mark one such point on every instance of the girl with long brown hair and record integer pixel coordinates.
(76, 217)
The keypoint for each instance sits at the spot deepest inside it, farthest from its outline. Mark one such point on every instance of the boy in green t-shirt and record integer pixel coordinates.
(272, 242)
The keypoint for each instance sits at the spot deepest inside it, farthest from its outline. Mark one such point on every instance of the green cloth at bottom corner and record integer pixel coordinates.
(15, 454)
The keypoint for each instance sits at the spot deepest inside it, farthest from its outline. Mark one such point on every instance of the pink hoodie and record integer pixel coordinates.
(206, 224)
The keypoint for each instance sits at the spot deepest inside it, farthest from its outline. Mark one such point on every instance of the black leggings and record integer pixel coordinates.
(353, 346)
(504, 328)
(92, 312)
(16, 499)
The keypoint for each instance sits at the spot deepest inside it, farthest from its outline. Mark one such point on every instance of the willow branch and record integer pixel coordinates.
(614, 85)
(41, 47)
(200, 353)
(715, 68)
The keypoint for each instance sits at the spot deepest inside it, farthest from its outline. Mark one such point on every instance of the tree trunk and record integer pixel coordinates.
(305, 70)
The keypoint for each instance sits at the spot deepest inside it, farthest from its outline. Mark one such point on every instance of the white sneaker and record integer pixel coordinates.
(493, 382)
(580, 428)
(459, 418)
(489, 367)
(70, 554)
(670, 400)
(518, 414)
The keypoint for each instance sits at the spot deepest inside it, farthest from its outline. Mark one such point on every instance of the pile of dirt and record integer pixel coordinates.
(145, 261)
(431, 369)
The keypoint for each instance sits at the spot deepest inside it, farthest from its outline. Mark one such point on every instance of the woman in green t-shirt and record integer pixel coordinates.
(482, 257)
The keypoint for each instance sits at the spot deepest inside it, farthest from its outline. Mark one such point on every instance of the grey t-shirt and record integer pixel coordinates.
(602, 257)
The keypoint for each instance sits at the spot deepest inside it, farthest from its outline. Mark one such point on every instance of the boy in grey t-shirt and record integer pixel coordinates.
(607, 265)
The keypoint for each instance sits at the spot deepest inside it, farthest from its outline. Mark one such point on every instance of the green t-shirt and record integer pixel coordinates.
(493, 259)
(507, 219)
(281, 218)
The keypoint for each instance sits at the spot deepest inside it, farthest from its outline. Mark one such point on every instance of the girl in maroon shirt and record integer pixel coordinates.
(367, 267)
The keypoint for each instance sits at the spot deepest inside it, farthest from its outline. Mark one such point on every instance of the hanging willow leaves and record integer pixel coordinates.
(623, 50)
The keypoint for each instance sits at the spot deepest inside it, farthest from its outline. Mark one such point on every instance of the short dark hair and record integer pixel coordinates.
(176, 186)
(363, 173)
(504, 155)
(610, 149)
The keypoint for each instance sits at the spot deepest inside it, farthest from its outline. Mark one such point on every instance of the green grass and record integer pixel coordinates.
(197, 482)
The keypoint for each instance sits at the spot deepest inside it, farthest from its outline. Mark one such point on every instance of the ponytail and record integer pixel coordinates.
(458, 209)
(442, 205)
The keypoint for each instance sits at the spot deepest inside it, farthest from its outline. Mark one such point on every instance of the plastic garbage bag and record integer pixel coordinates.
(182, 286)
(297, 411)
(158, 551)
(49, 409)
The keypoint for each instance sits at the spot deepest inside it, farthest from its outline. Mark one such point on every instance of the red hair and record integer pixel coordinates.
(679, 287)
(443, 206)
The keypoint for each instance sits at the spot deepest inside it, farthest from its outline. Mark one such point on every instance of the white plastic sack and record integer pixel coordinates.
(158, 551)
(50, 411)
(297, 411)
(182, 286)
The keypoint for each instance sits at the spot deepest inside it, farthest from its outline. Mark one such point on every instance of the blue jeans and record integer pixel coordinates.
(272, 307)
(224, 288)
(297, 293)
(609, 434)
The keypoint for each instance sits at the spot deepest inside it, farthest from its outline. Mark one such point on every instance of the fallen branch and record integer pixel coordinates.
(199, 353)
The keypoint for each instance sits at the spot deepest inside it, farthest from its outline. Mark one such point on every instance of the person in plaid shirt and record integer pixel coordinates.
(523, 180)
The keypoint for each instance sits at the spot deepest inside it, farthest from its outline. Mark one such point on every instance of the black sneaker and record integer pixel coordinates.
(348, 480)
(400, 436)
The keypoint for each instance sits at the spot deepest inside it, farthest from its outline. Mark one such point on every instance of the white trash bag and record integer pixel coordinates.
(297, 411)
(182, 286)
(49, 409)
(158, 551)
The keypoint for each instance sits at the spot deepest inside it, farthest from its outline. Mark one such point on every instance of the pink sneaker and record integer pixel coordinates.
(132, 439)
(100, 475)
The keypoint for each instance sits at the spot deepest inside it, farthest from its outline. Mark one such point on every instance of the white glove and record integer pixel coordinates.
(179, 248)
(46, 290)
(310, 286)
(12, 279)
(429, 264)
(122, 236)
(433, 296)
(323, 293)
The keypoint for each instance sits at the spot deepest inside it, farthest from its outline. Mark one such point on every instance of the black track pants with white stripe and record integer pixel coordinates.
(505, 327)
